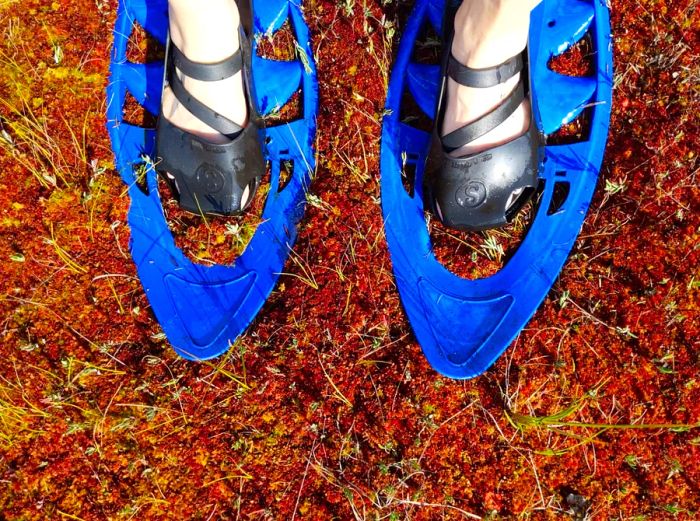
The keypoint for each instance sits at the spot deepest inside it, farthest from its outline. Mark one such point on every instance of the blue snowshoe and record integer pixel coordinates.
(203, 309)
(464, 325)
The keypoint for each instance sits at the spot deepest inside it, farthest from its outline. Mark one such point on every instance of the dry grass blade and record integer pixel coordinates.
(16, 420)
(65, 256)
(557, 421)
(28, 140)
(306, 276)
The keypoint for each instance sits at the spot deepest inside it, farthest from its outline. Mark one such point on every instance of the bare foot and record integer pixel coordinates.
(487, 33)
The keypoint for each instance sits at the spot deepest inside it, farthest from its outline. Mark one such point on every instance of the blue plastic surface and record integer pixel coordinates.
(464, 325)
(203, 309)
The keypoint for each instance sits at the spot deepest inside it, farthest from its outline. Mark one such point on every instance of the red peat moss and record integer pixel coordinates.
(326, 408)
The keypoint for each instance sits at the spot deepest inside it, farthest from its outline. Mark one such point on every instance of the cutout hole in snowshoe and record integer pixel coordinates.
(577, 60)
(211, 239)
(140, 171)
(408, 177)
(413, 115)
(290, 111)
(280, 45)
(575, 132)
(428, 46)
(285, 175)
(517, 202)
(463, 253)
(559, 196)
(142, 47)
(133, 113)
(477, 255)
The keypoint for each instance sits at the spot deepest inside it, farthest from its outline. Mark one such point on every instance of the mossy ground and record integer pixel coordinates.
(326, 408)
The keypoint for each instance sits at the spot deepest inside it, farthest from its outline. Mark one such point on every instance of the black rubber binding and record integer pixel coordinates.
(210, 178)
(485, 190)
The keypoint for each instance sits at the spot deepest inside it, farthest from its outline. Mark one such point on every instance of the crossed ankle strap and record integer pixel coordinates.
(484, 78)
(204, 72)
(208, 71)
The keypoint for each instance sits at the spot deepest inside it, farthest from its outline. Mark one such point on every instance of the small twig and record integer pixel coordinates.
(438, 505)
(339, 394)
(303, 480)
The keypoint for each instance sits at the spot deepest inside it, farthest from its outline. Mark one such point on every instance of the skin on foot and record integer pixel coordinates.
(487, 33)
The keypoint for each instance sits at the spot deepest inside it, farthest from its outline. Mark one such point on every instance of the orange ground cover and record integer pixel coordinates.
(326, 409)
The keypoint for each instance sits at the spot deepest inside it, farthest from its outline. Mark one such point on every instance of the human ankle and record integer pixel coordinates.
(488, 32)
(205, 31)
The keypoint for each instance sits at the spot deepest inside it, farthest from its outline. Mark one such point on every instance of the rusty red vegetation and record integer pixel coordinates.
(327, 408)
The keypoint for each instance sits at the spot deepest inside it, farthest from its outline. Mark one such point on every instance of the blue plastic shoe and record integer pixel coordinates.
(464, 325)
(203, 309)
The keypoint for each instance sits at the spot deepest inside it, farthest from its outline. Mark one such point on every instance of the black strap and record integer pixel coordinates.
(201, 111)
(207, 71)
(484, 78)
(485, 124)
